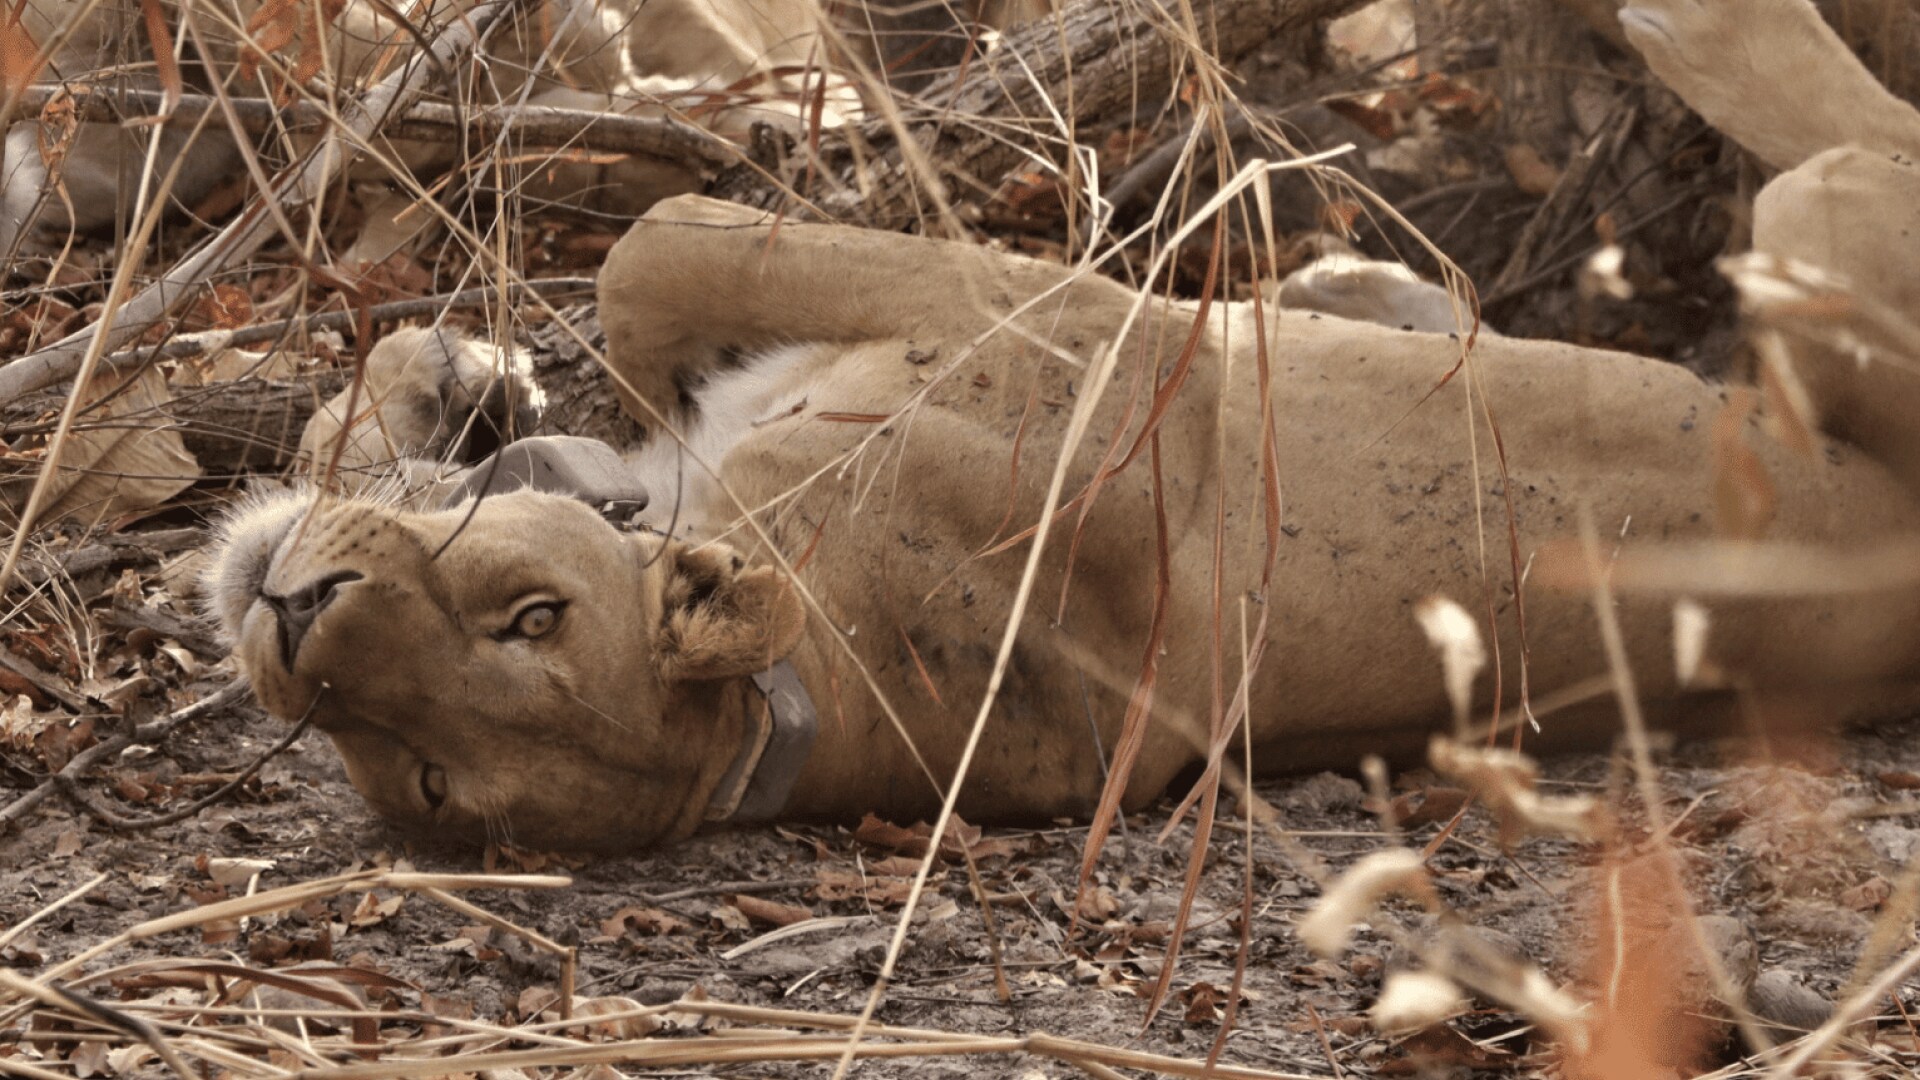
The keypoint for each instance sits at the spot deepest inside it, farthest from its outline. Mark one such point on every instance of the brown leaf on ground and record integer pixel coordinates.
(915, 840)
(372, 910)
(123, 456)
(1442, 1049)
(1428, 806)
(1531, 173)
(646, 921)
(771, 911)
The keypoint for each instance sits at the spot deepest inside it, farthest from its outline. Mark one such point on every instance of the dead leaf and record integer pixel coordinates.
(1869, 895)
(650, 922)
(1438, 1049)
(372, 911)
(1531, 173)
(771, 911)
(1096, 903)
(624, 1023)
(730, 918)
(233, 873)
(915, 841)
(124, 454)
(88, 1059)
(1428, 806)
(18, 55)
(1204, 1001)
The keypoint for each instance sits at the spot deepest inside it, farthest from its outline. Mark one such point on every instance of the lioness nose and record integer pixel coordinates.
(296, 610)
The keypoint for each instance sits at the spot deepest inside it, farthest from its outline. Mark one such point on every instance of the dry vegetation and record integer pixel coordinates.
(183, 895)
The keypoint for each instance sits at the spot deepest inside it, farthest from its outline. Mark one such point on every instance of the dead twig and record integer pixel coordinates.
(78, 1003)
(151, 732)
(244, 235)
(70, 787)
(531, 126)
(1089, 61)
(190, 345)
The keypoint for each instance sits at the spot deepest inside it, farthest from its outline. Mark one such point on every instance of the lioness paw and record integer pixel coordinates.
(427, 395)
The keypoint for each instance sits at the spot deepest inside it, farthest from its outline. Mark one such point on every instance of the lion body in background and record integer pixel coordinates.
(892, 412)
(729, 63)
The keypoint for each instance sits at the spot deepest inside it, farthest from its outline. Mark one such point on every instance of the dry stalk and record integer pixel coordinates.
(281, 899)
(360, 121)
(1627, 695)
(569, 956)
(741, 1047)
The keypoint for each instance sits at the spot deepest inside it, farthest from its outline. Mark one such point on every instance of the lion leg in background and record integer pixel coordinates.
(1772, 75)
(1856, 214)
(102, 175)
(669, 294)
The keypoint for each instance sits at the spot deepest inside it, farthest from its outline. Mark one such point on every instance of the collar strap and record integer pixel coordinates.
(780, 737)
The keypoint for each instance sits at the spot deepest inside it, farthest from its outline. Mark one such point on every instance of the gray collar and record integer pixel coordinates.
(783, 723)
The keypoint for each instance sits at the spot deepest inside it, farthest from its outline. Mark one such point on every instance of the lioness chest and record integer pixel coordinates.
(727, 407)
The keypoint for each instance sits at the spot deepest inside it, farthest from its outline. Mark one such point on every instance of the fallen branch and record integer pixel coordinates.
(186, 345)
(70, 787)
(532, 126)
(296, 187)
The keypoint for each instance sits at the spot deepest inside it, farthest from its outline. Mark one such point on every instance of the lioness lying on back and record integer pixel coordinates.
(891, 410)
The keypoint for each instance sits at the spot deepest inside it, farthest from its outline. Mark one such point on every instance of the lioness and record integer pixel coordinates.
(891, 410)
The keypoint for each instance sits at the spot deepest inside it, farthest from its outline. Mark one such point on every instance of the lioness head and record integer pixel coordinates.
(528, 674)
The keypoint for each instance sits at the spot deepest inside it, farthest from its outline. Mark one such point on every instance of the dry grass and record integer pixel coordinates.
(1208, 193)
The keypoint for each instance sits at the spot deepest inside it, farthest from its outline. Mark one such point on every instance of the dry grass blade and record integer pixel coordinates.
(290, 896)
(1107, 356)
(63, 359)
(1647, 777)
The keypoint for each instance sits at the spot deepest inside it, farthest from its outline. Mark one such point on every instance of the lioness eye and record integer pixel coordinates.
(433, 785)
(536, 620)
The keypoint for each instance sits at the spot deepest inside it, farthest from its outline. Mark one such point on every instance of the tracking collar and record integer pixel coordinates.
(783, 724)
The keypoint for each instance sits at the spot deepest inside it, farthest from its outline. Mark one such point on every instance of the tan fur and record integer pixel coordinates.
(897, 474)
(427, 395)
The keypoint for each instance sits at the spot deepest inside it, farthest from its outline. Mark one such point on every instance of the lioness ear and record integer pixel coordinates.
(723, 621)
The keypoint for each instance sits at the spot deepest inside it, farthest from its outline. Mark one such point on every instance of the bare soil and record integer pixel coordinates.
(1800, 854)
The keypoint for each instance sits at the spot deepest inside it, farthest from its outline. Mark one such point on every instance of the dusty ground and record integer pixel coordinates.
(1802, 856)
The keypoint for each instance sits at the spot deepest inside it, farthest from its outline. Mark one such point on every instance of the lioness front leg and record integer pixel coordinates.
(426, 393)
(697, 285)
(1772, 75)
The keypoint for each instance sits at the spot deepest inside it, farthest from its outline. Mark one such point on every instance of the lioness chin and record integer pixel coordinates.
(891, 412)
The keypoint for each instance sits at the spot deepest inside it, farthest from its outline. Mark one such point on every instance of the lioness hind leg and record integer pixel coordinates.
(698, 283)
(1770, 74)
(1856, 213)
